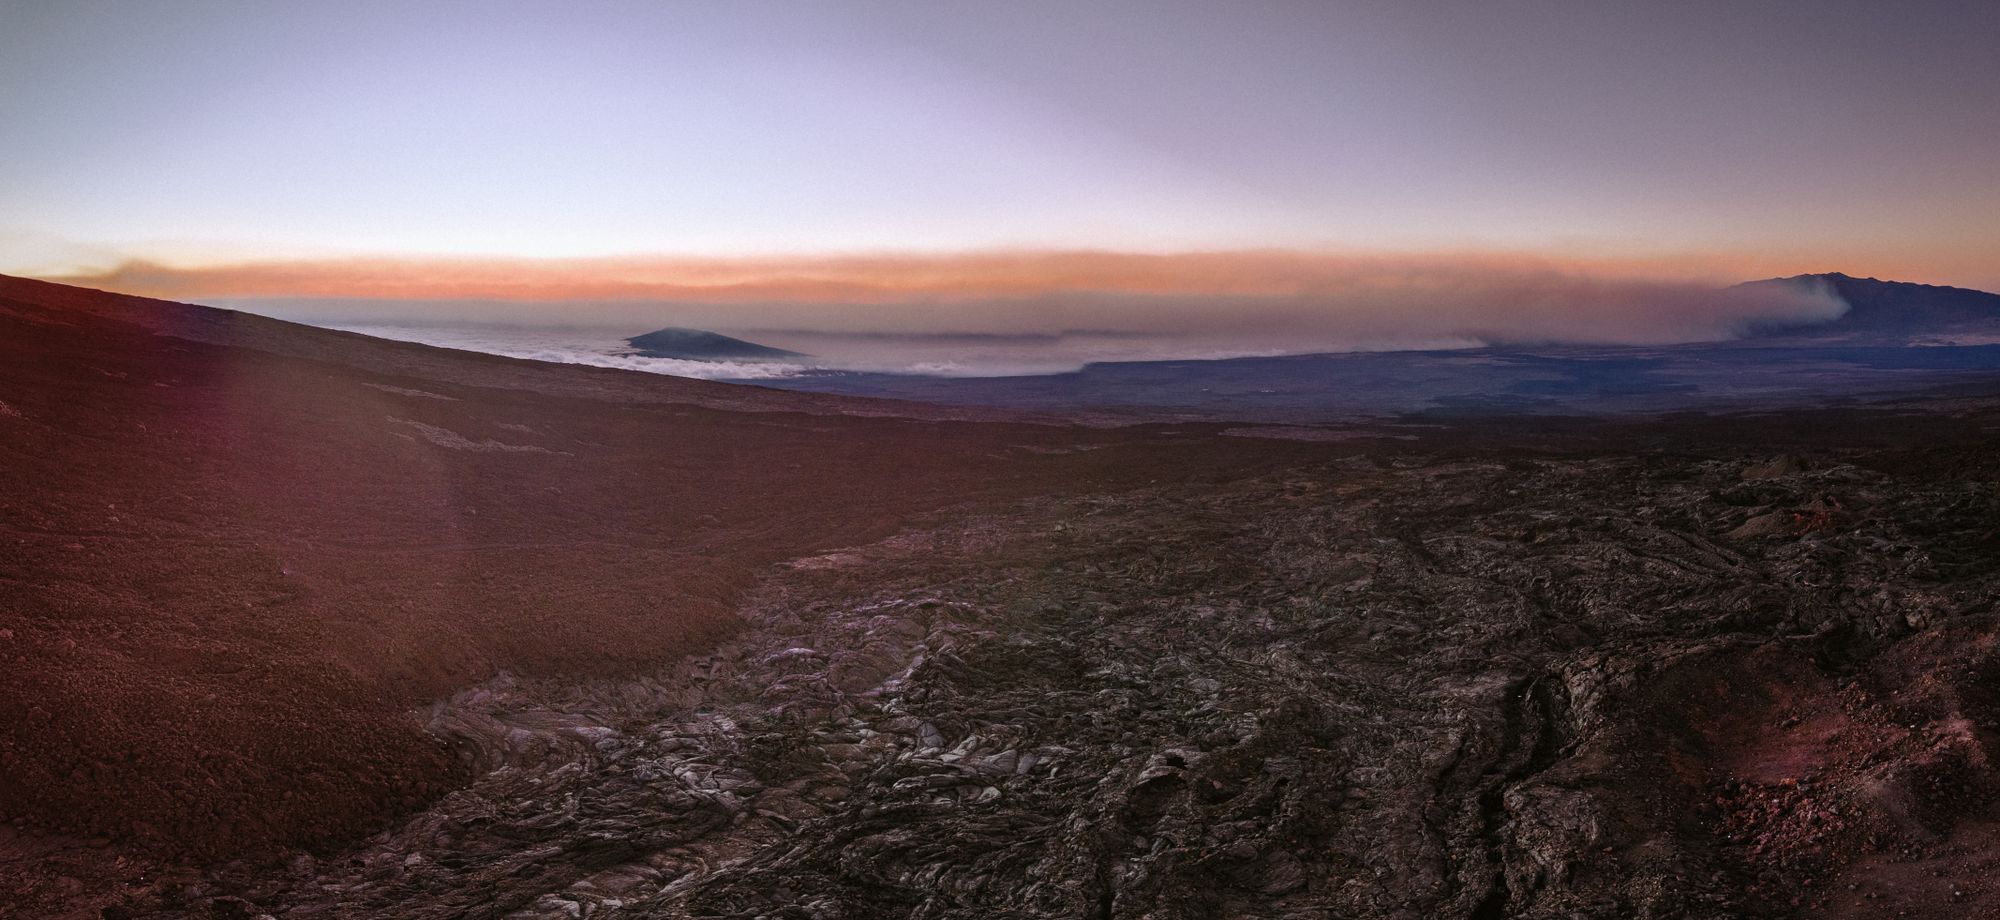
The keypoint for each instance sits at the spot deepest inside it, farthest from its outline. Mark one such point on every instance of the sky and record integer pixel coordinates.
(203, 149)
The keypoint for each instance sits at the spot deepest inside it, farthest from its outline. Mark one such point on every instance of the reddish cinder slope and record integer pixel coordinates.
(235, 551)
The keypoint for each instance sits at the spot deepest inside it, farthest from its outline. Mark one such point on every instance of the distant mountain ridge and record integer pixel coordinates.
(1886, 312)
(701, 345)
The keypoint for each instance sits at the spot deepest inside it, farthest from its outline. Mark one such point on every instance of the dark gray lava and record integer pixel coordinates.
(1416, 686)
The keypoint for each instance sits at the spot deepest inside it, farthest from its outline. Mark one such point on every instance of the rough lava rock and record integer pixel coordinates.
(1427, 683)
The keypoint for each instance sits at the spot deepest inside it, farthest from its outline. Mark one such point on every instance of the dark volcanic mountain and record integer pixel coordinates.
(1893, 312)
(698, 345)
(236, 551)
(311, 625)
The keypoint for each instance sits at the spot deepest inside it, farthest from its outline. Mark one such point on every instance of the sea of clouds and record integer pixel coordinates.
(822, 352)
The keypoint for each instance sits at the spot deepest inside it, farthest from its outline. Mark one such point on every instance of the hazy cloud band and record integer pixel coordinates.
(1263, 300)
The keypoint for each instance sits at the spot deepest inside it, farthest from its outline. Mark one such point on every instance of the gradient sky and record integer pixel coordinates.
(1762, 136)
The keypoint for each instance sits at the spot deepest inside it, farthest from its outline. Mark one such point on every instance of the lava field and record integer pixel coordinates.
(311, 626)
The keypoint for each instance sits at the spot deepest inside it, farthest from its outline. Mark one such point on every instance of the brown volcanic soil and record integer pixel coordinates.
(236, 551)
(764, 662)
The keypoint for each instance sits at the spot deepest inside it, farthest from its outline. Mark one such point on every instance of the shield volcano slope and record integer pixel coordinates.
(234, 552)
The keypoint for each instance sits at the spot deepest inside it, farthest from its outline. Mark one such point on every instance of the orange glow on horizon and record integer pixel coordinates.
(900, 278)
